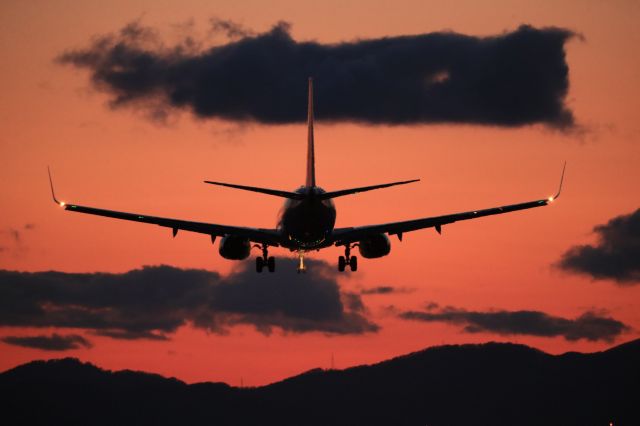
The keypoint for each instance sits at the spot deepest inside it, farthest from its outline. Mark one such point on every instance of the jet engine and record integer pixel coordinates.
(234, 248)
(377, 245)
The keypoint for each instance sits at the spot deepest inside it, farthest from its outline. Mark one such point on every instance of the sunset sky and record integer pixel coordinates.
(121, 158)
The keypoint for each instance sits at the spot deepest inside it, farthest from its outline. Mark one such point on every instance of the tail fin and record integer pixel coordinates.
(311, 161)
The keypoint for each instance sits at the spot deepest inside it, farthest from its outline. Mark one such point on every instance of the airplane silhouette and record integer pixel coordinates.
(307, 220)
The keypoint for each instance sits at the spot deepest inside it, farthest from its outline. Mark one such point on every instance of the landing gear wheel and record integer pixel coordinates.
(347, 259)
(265, 260)
(353, 263)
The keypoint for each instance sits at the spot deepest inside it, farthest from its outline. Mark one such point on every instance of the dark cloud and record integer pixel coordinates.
(55, 342)
(384, 290)
(154, 301)
(512, 79)
(590, 325)
(616, 256)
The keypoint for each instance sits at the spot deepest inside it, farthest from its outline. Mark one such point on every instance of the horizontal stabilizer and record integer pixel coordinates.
(276, 192)
(340, 193)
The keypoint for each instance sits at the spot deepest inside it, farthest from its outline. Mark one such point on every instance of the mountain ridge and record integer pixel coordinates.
(490, 383)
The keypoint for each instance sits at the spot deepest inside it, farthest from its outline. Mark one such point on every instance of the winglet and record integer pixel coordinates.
(53, 194)
(551, 199)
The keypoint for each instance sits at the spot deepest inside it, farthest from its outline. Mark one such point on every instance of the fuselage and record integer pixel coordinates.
(307, 223)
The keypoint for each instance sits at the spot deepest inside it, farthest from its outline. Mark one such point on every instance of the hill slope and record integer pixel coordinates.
(489, 384)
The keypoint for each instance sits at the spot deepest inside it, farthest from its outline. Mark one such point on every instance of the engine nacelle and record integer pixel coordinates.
(375, 246)
(234, 248)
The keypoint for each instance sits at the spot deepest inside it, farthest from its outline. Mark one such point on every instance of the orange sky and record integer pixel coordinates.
(120, 160)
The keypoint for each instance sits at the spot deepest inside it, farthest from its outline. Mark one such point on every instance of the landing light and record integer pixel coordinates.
(62, 204)
(550, 199)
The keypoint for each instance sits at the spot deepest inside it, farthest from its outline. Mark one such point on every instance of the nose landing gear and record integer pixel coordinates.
(301, 267)
(265, 259)
(347, 259)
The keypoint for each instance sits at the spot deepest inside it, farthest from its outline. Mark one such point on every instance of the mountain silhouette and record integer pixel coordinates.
(487, 384)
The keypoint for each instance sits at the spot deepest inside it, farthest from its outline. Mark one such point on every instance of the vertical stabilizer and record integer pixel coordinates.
(311, 161)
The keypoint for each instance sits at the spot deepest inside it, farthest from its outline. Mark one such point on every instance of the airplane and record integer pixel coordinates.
(307, 221)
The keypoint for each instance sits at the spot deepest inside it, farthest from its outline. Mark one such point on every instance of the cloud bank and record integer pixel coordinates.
(511, 79)
(153, 302)
(616, 256)
(589, 326)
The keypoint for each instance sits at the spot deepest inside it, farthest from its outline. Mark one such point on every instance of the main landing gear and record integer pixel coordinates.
(265, 259)
(347, 259)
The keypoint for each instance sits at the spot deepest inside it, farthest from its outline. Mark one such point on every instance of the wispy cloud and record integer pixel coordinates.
(590, 325)
(13, 238)
(54, 342)
(385, 289)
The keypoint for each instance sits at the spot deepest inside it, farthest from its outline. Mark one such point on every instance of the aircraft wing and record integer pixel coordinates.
(260, 235)
(342, 236)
